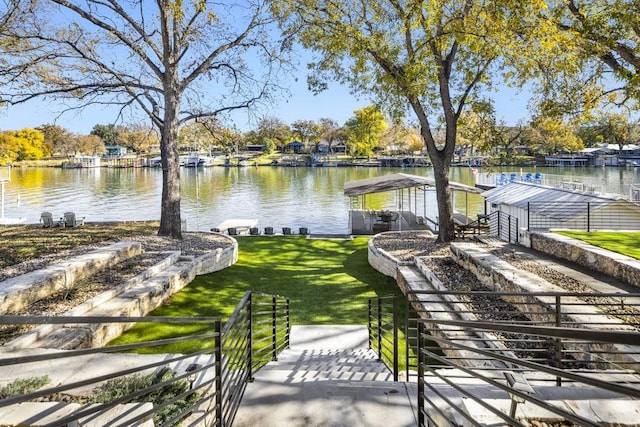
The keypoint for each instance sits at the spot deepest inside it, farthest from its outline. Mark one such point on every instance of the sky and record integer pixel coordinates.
(336, 103)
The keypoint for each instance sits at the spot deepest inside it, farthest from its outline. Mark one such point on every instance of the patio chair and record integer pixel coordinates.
(71, 221)
(254, 231)
(286, 231)
(304, 231)
(268, 231)
(46, 218)
(232, 231)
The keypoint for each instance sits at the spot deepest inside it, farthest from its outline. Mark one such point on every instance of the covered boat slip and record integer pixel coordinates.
(411, 210)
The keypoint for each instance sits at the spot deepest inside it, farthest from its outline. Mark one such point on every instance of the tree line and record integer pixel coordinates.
(367, 133)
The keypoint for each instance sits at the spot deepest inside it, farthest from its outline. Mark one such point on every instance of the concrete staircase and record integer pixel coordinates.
(328, 377)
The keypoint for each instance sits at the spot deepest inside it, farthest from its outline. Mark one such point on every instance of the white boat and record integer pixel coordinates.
(198, 161)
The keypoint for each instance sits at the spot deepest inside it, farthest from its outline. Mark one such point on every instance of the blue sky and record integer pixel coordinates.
(336, 103)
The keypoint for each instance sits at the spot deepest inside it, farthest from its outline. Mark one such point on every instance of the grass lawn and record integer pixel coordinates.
(328, 282)
(626, 243)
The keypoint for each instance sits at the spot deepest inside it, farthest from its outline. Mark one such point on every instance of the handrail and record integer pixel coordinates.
(383, 331)
(205, 385)
(514, 345)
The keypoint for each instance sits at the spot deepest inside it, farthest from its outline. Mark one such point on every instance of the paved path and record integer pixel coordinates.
(328, 377)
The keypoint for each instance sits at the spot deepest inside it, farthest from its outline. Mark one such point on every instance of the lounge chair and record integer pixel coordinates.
(304, 231)
(254, 231)
(232, 231)
(71, 221)
(286, 231)
(268, 231)
(46, 218)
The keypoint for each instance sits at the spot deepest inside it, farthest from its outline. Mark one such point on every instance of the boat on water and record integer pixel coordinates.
(198, 161)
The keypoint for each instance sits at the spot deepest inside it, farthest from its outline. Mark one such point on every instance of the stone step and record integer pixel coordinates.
(18, 292)
(136, 297)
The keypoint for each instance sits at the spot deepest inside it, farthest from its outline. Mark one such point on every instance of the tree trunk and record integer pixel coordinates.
(441, 160)
(170, 221)
(446, 228)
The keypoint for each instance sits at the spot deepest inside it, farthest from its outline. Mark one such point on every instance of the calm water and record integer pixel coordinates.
(275, 196)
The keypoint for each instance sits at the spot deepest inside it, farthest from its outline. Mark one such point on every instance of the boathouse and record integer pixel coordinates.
(527, 206)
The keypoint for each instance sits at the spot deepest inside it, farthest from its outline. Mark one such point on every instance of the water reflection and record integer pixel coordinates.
(275, 196)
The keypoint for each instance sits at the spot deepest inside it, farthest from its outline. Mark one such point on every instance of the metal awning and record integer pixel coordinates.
(396, 181)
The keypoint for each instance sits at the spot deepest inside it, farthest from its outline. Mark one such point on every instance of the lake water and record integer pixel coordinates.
(275, 196)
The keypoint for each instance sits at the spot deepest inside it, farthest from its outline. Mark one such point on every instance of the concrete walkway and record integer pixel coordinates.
(328, 377)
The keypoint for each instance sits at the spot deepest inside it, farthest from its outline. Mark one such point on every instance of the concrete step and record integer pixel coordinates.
(327, 378)
(318, 365)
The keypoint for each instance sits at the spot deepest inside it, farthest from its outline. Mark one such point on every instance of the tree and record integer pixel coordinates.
(430, 57)
(89, 144)
(401, 139)
(478, 127)
(551, 136)
(57, 138)
(172, 61)
(614, 127)
(607, 30)
(331, 132)
(275, 130)
(140, 138)
(109, 134)
(307, 130)
(364, 130)
(25, 144)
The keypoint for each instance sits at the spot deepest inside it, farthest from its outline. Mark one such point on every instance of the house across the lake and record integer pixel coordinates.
(115, 150)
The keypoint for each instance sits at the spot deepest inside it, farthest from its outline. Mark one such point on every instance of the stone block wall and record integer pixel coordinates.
(616, 265)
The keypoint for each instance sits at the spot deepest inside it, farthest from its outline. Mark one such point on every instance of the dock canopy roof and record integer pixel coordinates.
(396, 181)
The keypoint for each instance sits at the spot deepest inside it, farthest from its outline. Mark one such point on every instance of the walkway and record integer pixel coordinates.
(328, 377)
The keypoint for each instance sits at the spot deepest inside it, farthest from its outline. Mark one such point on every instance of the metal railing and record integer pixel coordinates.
(588, 216)
(383, 331)
(504, 226)
(196, 378)
(493, 347)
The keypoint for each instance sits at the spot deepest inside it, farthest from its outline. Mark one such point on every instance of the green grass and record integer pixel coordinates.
(327, 281)
(626, 243)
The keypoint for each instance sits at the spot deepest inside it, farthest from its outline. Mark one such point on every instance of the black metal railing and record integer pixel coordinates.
(512, 379)
(383, 331)
(588, 216)
(255, 333)
(504, 226)
(509, 345)
(197, 378)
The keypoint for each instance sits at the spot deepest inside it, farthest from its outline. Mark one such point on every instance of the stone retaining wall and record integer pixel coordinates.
(616, 265)
(501, 276)
(18, 292)
(383, 261)
(137, 297)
